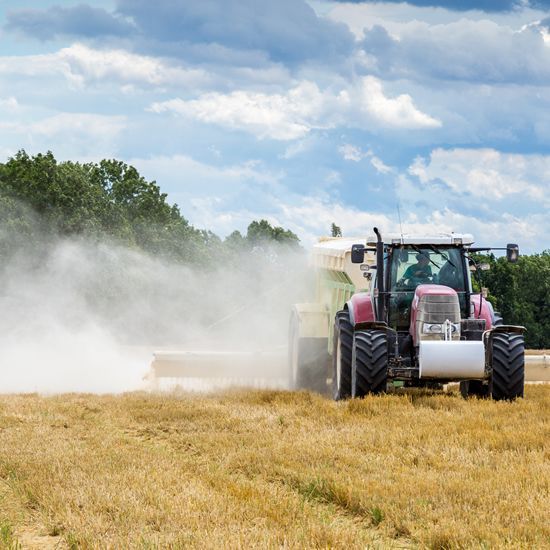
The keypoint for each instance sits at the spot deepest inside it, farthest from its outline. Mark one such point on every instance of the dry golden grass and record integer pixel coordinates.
(274, 469)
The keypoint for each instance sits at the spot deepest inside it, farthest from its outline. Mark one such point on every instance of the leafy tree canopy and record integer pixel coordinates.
(40, 196)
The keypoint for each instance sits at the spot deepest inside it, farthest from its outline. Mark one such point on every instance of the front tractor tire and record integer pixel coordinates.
(307, 360)
(341, 356)
(508, 362)
(369, 371)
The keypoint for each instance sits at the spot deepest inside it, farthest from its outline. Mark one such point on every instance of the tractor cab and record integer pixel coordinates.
(404, 263)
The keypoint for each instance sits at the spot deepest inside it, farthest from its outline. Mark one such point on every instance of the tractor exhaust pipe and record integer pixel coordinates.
(380, 274)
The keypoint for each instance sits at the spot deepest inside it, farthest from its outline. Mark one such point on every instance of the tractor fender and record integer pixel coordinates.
(361, 308)
(312, 320)
(486, 312)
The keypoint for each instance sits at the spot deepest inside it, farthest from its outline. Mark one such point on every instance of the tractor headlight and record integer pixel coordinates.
(437, 328)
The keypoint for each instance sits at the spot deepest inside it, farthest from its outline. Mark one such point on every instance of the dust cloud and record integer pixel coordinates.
(82, 315)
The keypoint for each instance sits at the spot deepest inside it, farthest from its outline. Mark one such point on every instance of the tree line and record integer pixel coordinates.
(40, 196)
(521, 293)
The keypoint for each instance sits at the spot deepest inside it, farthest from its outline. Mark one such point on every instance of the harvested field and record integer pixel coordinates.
(274, 469)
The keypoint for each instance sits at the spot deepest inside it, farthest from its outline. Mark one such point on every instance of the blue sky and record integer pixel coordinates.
(299, 111)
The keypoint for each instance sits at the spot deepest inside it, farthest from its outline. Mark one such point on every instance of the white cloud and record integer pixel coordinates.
(277, 116)
(486, 172)
(355, 154)
(9, 103)
(291, 115)
(311, 218)
(380, 166)
(351, 152)
(399, 112)
(497, 232)
(82, 65)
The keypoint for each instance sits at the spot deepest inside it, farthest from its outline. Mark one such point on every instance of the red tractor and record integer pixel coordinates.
(421, 324)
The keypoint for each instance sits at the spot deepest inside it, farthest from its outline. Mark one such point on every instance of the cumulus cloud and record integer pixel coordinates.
(356, 154)
(506, 228)
(466, 49)
(283, 117)
(399, 112)
(305, 107)
(82, 65)
(486, 172)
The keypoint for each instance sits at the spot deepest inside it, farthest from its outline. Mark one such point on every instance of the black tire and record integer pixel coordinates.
(307, 361)
(369, 371)
(474, 388)
(498, 320)
(508, 362)
(341, 356)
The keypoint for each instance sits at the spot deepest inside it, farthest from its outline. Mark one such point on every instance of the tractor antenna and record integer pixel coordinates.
(400, 224)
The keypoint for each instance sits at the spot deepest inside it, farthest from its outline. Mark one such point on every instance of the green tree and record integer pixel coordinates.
(335, 231)
(262, 232)
(522, 294)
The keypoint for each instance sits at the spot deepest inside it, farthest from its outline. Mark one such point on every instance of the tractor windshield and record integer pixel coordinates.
(410, 266)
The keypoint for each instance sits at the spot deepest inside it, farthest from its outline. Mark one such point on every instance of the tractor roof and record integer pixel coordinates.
(418, 239)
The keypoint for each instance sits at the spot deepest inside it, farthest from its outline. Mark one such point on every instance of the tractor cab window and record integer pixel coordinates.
(420, 265)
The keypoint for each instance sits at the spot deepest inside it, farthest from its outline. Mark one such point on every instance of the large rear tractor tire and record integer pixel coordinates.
(508, 362)
(307, 360)
(341, 356)
(369, 370)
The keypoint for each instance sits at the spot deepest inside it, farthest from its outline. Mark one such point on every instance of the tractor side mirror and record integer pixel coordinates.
(404, 256)
(512, 253)
(357, 254)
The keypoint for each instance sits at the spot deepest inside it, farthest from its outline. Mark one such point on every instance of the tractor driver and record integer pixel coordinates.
(421, 271)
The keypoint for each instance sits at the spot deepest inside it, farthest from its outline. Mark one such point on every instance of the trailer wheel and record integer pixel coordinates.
(341, 356)
(369, 370)
(474, 388)
(508, 362)
(307, 360)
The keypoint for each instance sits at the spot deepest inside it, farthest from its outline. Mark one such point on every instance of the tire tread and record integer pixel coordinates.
(370, 362)
(508, 351)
